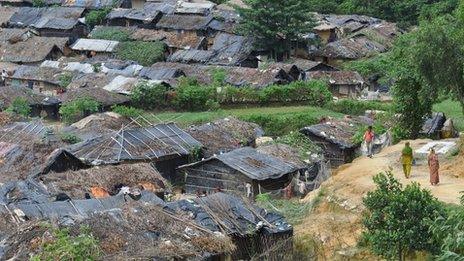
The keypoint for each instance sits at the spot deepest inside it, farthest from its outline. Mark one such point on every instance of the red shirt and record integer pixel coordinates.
(369, 136)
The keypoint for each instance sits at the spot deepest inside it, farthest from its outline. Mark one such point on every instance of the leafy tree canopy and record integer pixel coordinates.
(276, 23)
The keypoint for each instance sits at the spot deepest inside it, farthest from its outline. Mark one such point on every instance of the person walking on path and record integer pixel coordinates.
(369, 139)
(434, 166)
(406, 159)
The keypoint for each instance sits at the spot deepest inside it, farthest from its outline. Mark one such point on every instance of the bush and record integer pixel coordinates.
(398, 220)
(144, 53)
(38, 3)
(449, 232)
(96, 17)
(19, 106)
(278, 125)
(191, 96)
(314, 93)
(149, 96)
(66, 247)
(70, 138)
(110, 33)
(78, 109)
(125, 111)
(65, 79)
(354, 107)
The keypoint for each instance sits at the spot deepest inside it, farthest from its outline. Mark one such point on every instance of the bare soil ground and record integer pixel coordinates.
(335, 222)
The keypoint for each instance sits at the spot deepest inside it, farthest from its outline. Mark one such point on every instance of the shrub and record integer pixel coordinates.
(96, 17)
(398, 220)
(191, 96)
(232, 95)
(125, 111)
(78, 109)
(278, 125)
(70, 138)
(313, 92)
(38, 3)
(66, 247)
(96, 67)
(354, 107)
(449, 231)
(144, 53)
(65, 79)
(149, 96)
(19, 106)
(110, 33)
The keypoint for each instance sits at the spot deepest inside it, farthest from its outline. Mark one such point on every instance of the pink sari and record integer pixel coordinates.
(434, 165)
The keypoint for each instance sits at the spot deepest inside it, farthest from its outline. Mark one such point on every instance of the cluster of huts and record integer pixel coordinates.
(53, 51)
(119, 178)
(119, 174)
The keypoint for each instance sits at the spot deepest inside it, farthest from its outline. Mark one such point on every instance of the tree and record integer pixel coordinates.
(275, 23)
(398, 220)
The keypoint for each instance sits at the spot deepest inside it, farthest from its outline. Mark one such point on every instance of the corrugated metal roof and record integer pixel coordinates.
(253, 164)
(97, 45)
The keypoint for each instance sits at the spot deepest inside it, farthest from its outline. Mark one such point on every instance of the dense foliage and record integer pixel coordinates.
(65, 79)
(70, 138)
(78, 109)
(191, 96)
(144, 53)
(314, 93)
(125, 111)
(404, 12)
(275, 23)
(66, 247)
(96, 17)
(449, 232)
(398, 220)
(111, 33)
(149, 96)
(19, 106)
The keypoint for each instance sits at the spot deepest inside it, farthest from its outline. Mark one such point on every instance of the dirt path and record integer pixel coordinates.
(353, 180)
(336, 221)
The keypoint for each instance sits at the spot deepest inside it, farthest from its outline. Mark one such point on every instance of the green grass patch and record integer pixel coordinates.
(453, 110)
(276, 121)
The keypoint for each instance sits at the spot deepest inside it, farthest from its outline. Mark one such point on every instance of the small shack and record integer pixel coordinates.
(243, 171)
(240, 220)
(343, 84)
(165, 145)
(41, 105)
(225, 135)
(95, 47)
(144, 18)
(111, 178)
(336, 140)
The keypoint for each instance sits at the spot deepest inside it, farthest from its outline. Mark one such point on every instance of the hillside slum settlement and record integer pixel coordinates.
(152, 189)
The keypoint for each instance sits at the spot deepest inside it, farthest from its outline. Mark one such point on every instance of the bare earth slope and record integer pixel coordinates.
(335, 222)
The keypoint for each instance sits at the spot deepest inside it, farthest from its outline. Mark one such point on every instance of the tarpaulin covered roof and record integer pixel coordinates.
(97, 45)
(253, 164)
(63, 18)
(184, 22)
(31, 50)
(339, 133)
(149, 13)
(9, 93)
(224, 212)
(152, 143)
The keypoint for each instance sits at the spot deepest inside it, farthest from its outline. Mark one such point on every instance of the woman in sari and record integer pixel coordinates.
(434, 165)
(406, 159)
